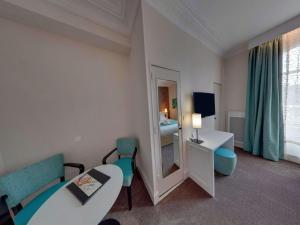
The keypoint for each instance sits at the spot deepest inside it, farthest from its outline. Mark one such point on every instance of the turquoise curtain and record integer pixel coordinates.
(264, 117)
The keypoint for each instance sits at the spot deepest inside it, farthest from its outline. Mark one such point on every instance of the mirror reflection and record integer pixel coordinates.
(169, 126)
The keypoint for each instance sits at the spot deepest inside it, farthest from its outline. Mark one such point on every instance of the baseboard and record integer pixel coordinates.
(147, 184)
(169, 191)
(292, 158)
(185, 174)
(239, 144)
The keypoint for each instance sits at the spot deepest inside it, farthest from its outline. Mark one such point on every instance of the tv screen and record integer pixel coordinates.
(204, 103)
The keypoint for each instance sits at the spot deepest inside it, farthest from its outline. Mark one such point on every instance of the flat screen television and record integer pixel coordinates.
(204, 103)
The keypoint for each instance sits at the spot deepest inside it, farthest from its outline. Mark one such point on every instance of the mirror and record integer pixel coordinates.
(168, 126)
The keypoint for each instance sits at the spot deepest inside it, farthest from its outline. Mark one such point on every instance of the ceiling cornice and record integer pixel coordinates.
(116, 8)
(281, 29)
(117, 15)
(43, 15)
(180, 14)
(238, 49)
(264, 37)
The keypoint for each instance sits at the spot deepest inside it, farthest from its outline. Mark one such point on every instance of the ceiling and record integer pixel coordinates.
(222, 25)
(226, 24)
(118, 15)
(104, 23)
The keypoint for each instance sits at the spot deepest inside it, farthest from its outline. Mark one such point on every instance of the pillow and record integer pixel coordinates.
(162, 118)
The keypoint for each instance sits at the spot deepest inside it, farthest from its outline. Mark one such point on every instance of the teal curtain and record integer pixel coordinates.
(264, 115)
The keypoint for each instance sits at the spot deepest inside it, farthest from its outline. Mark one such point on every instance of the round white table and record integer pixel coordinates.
(64, 208)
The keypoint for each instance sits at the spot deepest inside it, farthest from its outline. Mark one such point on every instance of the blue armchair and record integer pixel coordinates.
(18, 185)
(126, 150)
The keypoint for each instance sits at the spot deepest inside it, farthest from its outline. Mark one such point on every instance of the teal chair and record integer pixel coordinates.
(126, 150)
(20, 184)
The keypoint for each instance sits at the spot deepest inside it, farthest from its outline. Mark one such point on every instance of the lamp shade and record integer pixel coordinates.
(196, 120)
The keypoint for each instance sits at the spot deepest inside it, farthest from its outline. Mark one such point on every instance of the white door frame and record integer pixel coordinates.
(218, 114)
(165, 184)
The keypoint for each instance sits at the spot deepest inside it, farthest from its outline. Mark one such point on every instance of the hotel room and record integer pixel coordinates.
(149, 112)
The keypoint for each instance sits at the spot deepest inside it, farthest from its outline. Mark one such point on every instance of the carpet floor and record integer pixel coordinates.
(168, 163)
(260, 192)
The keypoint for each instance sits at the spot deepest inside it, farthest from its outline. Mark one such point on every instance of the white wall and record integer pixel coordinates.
(140, 107)
(235, 82)
(168, 46)
(59, 95)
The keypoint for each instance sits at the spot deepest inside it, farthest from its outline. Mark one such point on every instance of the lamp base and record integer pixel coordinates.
(197, 141)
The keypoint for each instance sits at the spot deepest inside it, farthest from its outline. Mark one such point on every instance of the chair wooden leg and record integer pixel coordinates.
(129, 197)
(17, 209)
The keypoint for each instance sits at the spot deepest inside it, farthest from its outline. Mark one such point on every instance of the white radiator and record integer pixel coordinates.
(235, 125)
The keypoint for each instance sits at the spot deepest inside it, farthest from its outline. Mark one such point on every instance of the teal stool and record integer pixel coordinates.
(225, 161)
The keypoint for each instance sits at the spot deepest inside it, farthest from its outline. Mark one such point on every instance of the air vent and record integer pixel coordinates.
(235, 125)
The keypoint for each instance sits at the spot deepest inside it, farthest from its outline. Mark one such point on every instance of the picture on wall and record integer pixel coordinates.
(174, 103)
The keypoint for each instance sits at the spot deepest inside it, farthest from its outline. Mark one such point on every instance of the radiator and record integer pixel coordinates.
(235, 125)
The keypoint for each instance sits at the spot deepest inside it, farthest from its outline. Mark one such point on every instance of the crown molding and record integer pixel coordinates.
(46, 16)
(201, 21)
(180, 14)
(238, 49)
(281, 29)
(117, 15)
(114, 7)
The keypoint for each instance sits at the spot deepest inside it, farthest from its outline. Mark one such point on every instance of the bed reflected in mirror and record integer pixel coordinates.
(169, 126)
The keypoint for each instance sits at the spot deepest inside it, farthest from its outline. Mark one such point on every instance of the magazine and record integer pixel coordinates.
(84, 187)
(88, 184)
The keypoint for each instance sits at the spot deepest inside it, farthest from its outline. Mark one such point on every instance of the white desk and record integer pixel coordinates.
(63, 208)
(201, 157)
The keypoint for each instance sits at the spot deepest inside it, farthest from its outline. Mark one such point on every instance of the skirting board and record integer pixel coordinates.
(292, 158)
(185, 174)
(201, 183)
(239, 144)
(155, 198)
(159, 198)
(147, 184)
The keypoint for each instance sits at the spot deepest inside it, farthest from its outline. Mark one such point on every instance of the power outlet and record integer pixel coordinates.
(77, 138)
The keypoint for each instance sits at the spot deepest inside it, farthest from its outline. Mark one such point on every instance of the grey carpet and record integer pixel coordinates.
(260, 192)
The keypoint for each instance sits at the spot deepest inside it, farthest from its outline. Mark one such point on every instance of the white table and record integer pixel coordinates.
(63, 207)
(201, 157)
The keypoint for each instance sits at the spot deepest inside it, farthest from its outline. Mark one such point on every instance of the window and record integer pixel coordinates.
(291, 91)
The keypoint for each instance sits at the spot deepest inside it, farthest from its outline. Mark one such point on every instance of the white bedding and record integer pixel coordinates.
(168, 129)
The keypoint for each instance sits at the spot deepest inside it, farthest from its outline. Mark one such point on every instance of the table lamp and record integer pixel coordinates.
(197, 123)
(166, 112)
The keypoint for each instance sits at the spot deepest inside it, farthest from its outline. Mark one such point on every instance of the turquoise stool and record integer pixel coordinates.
(225, 161)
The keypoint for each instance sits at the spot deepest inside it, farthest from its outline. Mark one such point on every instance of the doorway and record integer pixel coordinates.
(217, 92)
(166, 106)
